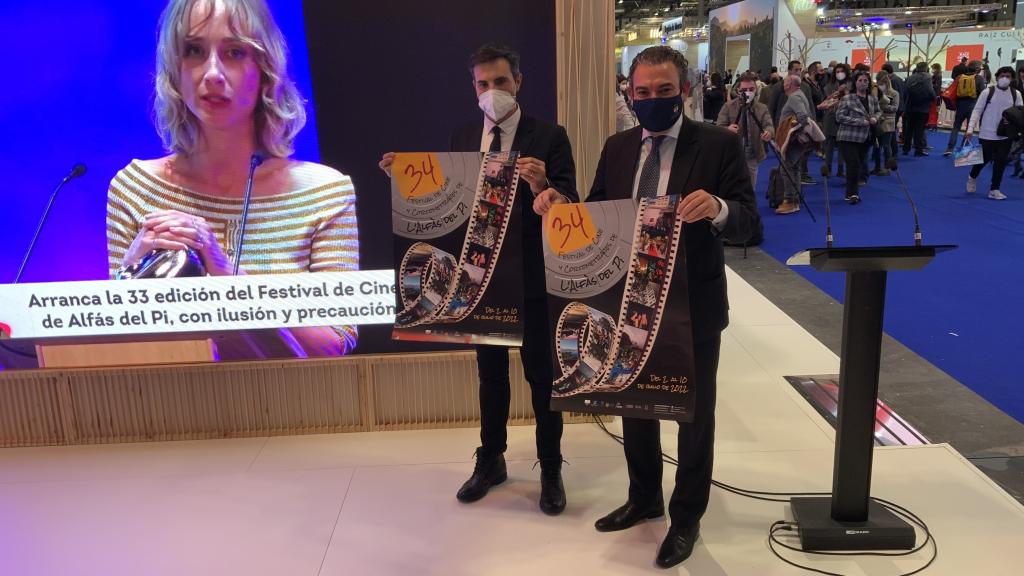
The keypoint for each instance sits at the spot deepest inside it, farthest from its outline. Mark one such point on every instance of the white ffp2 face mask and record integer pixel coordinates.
(496, 104)
(1003, 82)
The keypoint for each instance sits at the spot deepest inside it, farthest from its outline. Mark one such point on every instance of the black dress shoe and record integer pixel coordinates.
(627, 515)
(489, 471)
(677, 545)
(552, 491)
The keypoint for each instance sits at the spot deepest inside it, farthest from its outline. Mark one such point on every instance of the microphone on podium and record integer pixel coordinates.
(255, 160)
(893, 167)
(78, 170)
(826, 171)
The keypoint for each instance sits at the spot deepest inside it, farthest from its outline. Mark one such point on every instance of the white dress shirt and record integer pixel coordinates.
(668, 151)
(508, 131)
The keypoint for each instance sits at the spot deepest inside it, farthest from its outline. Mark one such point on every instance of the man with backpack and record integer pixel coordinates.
(968, 86)
(919, 102)
(987, 116)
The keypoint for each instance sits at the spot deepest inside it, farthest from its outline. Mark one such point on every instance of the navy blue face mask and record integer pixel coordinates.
(658, 114)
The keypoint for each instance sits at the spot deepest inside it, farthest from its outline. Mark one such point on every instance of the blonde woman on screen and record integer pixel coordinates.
(222, 95)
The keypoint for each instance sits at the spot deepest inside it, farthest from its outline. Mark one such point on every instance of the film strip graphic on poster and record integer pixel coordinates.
(598, 354)
(437, 287)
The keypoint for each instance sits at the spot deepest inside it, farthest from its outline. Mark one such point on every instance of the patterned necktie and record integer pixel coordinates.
(651, 172)
(496, 141)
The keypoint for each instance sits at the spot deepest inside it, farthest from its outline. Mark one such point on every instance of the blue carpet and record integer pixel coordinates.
(963, 312)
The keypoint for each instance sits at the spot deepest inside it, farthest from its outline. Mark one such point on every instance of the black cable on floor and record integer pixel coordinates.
(783, 525)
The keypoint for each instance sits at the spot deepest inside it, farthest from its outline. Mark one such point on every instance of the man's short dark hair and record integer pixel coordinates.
(815, 64)
(490, 53)
(921, 67)
(748, 77)
(887, 67)
(963, 60)
(659, 55)
(792, 62)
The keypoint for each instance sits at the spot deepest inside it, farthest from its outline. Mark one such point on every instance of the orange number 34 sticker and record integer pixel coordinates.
(569, 228)
(417, 174)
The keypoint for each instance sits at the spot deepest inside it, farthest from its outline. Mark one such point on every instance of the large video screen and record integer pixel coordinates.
(369, 85)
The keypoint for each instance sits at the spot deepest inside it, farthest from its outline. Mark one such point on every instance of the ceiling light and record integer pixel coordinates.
(909, 12)
(858, 13)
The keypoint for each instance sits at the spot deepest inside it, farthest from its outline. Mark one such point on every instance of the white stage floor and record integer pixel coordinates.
(384, 503)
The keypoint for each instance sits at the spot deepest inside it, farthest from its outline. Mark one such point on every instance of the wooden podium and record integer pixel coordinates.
(95, 355)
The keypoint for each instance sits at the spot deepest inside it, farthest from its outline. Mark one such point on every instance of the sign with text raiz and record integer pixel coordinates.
(457, 248)
(620, 312)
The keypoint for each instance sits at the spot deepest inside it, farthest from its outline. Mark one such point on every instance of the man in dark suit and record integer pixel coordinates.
(547, 171)
(669, 154)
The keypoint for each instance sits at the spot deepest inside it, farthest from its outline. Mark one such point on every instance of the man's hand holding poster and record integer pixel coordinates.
(616, 277)
(452, 215)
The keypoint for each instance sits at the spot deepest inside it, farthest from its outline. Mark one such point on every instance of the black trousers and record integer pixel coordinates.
(495, 389)
(914, 121)
(855, 154)
(642, 444)
(998, 153)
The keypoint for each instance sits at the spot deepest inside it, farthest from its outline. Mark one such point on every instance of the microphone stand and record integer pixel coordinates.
(77, 171)
(254, 161)
(745, 109)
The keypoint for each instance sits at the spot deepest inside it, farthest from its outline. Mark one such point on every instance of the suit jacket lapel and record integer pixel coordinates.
(684, 159)
(471, 138)
(524, 135)
(624, 175)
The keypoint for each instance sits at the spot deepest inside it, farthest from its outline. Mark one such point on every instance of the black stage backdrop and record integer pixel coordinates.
(392, 76)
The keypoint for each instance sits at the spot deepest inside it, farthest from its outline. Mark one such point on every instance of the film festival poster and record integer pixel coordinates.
(457, 248)
(620, 310)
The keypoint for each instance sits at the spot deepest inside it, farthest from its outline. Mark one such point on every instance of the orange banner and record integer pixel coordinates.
(863, 56)
(969, 51)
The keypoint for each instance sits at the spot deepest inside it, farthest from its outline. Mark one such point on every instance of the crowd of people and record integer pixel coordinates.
(866, 117)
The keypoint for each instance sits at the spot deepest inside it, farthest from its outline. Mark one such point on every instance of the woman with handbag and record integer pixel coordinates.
(858, 114)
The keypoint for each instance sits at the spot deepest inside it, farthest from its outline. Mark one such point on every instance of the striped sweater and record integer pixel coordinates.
(310, 229)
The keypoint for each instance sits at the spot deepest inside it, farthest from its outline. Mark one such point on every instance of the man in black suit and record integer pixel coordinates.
(548, 172)
(669, 154)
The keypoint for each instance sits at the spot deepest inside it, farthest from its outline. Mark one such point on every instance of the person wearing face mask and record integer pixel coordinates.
(742, 115)
(857, 115)
(547, 174)
(671, 154)
(835, 90)
(988, 112)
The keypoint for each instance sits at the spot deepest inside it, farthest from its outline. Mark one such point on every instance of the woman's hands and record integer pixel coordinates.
(174, 230)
